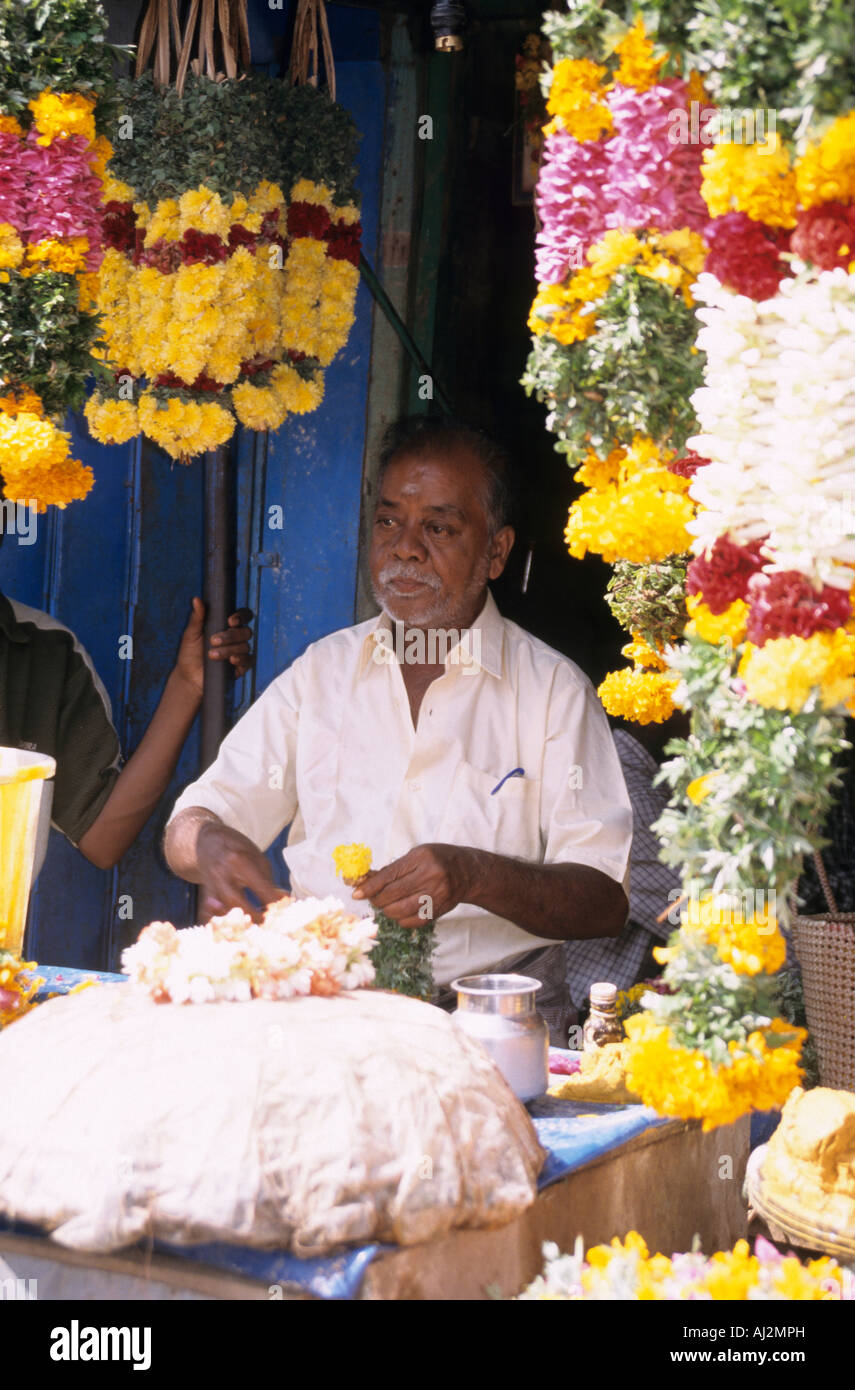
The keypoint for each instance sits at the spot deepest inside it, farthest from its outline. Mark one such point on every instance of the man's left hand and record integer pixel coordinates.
(422, 885)
(232, 644)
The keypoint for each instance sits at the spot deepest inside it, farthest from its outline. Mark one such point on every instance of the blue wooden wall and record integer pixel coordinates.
(129, 558)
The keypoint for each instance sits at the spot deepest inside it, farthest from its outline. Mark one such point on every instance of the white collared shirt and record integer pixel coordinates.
(330, 748)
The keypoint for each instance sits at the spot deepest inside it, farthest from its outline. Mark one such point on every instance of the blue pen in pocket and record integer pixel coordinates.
(515, 772)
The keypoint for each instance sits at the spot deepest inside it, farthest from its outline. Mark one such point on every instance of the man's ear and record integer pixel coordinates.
(500, 549)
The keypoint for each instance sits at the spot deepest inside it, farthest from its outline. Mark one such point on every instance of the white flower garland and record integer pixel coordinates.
(305, 946)
(777, 416)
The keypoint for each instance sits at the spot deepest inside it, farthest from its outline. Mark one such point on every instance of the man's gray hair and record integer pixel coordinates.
(418, 435)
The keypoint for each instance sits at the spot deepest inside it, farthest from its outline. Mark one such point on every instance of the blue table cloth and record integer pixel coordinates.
(572, 1132)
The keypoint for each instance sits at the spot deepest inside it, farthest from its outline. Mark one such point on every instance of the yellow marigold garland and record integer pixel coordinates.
(787, 672)
(208, 321)
(576, 83)
(638, 68)
(643, 697)
(681, 1081)
(714, 627)
(755, 179)
(750, 944)
(826, 171)
(34, 456)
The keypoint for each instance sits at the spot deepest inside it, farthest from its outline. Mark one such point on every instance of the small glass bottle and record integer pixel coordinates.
(602, 1025)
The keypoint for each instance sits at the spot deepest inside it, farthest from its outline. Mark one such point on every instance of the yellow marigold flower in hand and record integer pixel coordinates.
(352, 862)
(62, 114)
(10, 126)
(645, 697)
(638, 68)
(714, 627)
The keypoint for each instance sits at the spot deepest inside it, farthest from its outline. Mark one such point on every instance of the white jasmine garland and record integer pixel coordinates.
(304, 946)
(777, 421)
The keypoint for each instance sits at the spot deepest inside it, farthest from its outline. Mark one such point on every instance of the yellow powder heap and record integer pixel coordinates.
(602, 1078)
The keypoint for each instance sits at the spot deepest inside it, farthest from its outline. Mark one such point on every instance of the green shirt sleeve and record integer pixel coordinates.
(87, 752)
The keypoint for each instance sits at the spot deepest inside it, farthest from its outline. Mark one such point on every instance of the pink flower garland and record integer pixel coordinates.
(572, 203)
(639, 177)
(654, 181)
(50, 191)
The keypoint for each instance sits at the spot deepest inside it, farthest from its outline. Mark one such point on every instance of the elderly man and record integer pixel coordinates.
(473, 759)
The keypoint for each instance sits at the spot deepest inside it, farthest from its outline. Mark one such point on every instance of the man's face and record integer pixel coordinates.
(431, 549)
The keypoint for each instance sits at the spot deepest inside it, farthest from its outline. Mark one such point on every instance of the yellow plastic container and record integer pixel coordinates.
(25, 797)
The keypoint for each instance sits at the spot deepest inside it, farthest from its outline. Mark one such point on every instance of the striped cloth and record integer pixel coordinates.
(627, 958)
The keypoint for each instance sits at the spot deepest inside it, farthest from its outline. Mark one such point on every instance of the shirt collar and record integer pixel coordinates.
(481, 645)
(9, 625)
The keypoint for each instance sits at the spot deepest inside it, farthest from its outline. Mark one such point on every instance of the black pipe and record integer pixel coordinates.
(219, 578)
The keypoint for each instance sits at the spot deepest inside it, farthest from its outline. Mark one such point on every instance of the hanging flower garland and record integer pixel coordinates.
(52, 160)
(713, 1048)
(621, 241)
(768, 667)
(223, 301)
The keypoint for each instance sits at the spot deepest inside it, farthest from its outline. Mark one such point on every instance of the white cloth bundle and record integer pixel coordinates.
(303, 1124)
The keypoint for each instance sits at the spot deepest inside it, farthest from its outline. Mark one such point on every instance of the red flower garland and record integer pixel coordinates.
(722, 576)
(746, 255)
(787, 605)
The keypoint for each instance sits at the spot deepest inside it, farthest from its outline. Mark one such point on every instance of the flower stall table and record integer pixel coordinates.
(609, 1169)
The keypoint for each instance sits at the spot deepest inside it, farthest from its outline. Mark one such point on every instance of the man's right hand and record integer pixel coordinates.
(229, 864)
(200, 848)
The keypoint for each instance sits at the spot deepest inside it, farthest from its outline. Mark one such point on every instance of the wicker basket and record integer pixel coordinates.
(825, 947)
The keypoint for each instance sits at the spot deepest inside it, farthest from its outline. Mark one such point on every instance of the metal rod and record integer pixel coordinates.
(218, 597)
(402, 331)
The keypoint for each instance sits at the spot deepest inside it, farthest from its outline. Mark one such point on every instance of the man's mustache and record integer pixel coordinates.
(400, 571)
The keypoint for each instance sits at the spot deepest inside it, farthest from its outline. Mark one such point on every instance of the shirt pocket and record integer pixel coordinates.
(507, 823)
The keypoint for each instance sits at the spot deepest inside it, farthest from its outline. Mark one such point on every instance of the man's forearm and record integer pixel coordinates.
(562, 901)
(144, 778)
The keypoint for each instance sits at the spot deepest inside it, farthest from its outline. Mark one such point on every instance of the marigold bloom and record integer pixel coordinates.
(352, 861)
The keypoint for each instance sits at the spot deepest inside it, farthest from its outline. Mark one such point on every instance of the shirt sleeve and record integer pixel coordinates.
(586, 816)
(252, 784)
(87, 751)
